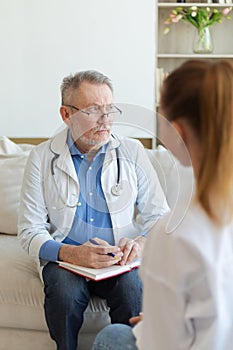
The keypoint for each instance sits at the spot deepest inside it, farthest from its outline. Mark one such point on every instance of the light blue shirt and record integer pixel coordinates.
(92, 218)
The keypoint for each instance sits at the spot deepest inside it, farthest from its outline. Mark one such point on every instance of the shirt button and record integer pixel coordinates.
(79, 204)
(90, 168)
(91, 193)
(91, 219)
(82, 157)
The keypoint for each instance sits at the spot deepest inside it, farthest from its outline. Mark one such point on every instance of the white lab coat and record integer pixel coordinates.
(50, 181)
(188, 285)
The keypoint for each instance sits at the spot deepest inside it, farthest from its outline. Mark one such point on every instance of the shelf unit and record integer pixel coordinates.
(175, 47)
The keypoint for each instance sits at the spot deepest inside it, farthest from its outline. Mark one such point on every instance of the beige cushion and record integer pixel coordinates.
(176, 180)
(21, 290)
(22, 297)
(12, 163)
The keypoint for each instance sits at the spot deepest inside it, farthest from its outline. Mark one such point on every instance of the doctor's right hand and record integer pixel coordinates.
(91, 255)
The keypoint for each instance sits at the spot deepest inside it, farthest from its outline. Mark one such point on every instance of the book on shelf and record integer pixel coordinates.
(99, 274)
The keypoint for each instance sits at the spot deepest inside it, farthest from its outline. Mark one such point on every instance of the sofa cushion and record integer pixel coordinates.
(21, 290)
(12, 163)
(176, 180)
(22, 297)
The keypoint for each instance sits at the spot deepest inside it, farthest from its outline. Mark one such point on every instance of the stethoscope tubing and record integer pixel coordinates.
(115, 190)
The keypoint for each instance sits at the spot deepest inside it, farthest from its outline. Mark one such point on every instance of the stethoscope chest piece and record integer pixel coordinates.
(116, 190)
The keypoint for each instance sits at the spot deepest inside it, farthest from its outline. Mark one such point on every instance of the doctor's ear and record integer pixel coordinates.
(64, 111)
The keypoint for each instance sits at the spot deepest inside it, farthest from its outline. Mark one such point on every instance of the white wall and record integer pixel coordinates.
(44, 40)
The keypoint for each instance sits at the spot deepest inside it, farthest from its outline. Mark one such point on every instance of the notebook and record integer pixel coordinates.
(99, 274)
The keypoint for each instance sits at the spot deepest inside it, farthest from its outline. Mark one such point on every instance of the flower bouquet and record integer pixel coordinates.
(201, 18)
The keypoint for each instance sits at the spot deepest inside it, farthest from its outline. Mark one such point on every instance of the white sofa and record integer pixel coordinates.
(22, 322)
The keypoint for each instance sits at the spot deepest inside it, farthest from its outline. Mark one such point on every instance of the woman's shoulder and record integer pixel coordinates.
(185, 223)
(193, 243)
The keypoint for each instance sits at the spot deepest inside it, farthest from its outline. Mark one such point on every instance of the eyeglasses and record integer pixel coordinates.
(96, 112)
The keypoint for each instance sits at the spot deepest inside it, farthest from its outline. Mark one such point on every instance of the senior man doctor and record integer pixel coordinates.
(85, 183)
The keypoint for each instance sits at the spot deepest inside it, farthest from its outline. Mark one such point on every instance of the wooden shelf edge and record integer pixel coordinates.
(194, 55)
(190, 4)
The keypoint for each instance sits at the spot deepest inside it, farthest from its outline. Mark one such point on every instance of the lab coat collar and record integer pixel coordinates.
(58, 142)
(60, 148)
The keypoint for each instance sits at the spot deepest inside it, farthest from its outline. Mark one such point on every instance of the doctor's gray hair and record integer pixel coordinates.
(72, 82)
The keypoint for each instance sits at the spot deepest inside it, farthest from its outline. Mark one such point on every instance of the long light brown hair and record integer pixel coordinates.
(202, 93)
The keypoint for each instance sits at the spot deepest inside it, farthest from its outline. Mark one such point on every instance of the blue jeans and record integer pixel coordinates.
(115, 337)
(67, 296)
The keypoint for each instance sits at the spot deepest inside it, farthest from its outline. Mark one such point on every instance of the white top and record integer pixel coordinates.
(188, 285)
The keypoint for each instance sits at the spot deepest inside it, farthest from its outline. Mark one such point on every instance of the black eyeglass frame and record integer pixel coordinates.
(89, 113)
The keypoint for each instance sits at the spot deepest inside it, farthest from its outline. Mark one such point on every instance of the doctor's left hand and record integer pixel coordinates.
(132, 249)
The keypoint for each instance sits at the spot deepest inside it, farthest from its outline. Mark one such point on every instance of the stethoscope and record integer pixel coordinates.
(116, 189)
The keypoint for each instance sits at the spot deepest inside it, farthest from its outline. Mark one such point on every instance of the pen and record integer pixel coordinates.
(96, 243)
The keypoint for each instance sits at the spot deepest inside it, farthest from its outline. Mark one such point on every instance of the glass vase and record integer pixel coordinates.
(203, 41)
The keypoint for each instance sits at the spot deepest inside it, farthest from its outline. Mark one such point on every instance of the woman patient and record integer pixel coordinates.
(187, 269)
